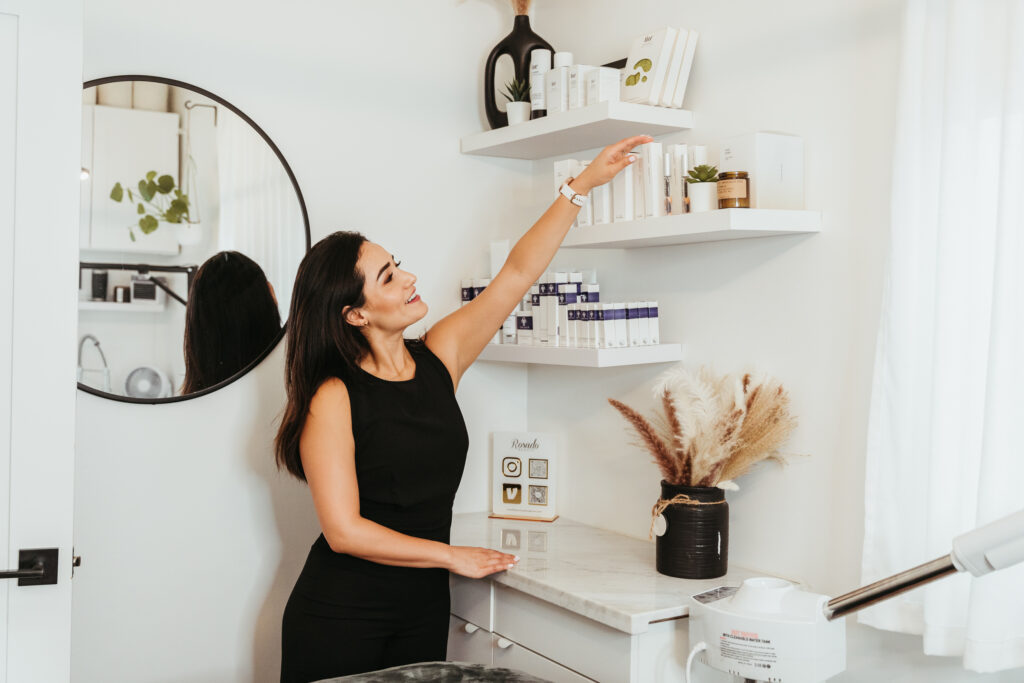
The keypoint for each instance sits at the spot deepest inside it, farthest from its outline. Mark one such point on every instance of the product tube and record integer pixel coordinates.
(552, 309)
(540, 64)
(633, 330)
(566, 296)
(540, 312)
(508, 329)
(621, 335)
(643, 323)
(622, 195)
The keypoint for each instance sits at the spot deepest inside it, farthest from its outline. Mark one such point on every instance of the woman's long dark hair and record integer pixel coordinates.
(230, 319)
(321, 344)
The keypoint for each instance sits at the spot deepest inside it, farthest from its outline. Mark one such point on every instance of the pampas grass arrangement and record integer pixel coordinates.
(714, 429)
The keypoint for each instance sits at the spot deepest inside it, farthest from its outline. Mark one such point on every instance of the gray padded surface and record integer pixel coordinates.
(439, 672)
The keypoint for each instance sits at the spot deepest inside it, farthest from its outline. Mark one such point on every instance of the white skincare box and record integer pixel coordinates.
(563, 170)
(585, 217)
(652, 322)
(639, 200)
(632, 314)
(775, 163)
(467, 291)
(573, 325)
(643, 324)
(674, 65)
(524, 328)
(596, 326)
(647, 67)
(601, 201)
(540, 64)
(592, 293)
(700, 156)
(578, 75)
(508, 329)
(609, 335)
(683, 79)
(622, 195)
(621, 337)
(556, 83)
(576, 279)
(603, 85)
(566, 296)
(653, 159)
(680, 160)
(540, 311)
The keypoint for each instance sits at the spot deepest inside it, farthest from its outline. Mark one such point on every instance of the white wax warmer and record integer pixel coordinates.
(770, 630)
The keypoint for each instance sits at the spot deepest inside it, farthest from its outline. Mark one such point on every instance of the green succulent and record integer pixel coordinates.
(703, 174)
(166, 202)
(517, 91)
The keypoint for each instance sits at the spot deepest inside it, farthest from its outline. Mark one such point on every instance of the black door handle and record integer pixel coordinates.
(36, 567)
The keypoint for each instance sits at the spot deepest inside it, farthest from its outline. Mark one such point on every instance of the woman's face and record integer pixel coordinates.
(392, 303)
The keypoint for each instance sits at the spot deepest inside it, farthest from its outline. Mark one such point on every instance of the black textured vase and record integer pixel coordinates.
(516, 45)
(695, 544)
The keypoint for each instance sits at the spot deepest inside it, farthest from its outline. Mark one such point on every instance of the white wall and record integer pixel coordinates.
(190, 540)
(804, 308)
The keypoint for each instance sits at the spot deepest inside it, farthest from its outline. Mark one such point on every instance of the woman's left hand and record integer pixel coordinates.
(608, 163)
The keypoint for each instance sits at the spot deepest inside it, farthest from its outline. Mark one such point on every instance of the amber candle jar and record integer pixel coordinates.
(734, 190)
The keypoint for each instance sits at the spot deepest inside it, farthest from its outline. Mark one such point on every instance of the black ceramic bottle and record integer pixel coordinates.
(516, 45)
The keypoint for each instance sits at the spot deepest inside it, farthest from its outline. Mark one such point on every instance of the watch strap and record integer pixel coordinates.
(570, 194)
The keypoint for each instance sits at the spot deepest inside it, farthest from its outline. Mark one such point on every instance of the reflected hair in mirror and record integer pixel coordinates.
(321, 344)
(231, 318)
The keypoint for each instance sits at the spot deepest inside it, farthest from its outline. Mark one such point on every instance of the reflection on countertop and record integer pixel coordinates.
(599, 574)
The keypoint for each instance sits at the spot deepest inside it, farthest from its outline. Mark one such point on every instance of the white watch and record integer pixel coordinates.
(571, 194)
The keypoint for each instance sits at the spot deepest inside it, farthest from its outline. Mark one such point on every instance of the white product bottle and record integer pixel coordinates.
(524, 328)
(540, 64)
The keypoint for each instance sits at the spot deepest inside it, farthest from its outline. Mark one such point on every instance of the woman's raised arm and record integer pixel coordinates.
(458, 338)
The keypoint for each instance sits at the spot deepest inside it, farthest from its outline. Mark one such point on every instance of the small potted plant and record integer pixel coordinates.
(517, 92)
(159, 201)
(712, 430)
(702, 187)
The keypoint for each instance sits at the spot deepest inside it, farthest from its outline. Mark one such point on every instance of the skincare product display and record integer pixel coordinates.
(562, 311)
(524, 476)
(658, 68)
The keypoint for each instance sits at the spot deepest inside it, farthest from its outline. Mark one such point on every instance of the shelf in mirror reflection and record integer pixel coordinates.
(120, 307)
(587, 358)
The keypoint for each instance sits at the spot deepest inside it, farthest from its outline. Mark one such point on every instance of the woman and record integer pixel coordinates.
(373, 427)
(230, 319)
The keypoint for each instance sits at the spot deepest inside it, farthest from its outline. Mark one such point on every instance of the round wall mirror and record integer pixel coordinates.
(192, 229)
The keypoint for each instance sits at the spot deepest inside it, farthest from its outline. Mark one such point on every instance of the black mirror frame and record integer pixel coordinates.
(305, 219)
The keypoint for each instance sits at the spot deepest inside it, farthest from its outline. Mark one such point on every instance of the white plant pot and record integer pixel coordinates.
(703, 196)
(518, 112)
(117, 94)
(151, 96)
(188, 234)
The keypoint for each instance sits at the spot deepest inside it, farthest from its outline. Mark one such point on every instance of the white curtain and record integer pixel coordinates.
(946, 433)
(259, 210)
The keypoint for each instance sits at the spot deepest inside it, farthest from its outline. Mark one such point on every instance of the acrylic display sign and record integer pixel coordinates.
(524, 476)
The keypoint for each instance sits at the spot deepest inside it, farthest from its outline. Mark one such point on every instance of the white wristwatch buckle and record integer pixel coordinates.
(570, 194)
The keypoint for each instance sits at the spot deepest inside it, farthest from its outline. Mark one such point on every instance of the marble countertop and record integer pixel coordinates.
(599, 574)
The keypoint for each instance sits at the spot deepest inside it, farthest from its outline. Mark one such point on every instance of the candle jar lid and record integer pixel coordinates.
(728, 175)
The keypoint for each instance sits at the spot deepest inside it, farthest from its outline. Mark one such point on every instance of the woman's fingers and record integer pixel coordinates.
(624, 146)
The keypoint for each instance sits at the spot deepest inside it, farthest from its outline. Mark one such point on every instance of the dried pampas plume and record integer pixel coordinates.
(714, 429)
(521, 7)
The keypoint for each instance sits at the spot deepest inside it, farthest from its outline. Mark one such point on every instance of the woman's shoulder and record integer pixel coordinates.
(330, 395)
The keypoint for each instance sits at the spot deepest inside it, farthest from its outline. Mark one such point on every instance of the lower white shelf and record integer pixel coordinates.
(119, 307)
(706, 226)
(585, 358)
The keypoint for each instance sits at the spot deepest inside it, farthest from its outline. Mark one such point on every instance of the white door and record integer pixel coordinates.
(40, 124)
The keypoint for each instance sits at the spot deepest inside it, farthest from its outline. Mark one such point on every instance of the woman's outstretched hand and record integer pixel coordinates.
(608, 163)
(477, 563)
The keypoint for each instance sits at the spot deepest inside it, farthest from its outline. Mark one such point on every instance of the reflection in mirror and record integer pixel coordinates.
(190, 236)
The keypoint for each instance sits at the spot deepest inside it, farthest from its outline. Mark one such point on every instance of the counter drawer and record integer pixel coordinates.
(468, 642)
(510, 655)
(583, 645)
(472, 600)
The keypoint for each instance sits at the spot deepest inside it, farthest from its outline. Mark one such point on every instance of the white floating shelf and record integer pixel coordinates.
(706, 226)
(586, 358)
(119, 307)
(594, 126)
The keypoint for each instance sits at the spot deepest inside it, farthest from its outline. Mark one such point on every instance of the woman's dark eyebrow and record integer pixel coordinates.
(383, 268)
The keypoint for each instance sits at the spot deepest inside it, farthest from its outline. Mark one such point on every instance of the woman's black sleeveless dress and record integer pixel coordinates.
(347, 615)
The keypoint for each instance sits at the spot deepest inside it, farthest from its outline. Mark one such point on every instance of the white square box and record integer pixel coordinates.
(775, 162)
